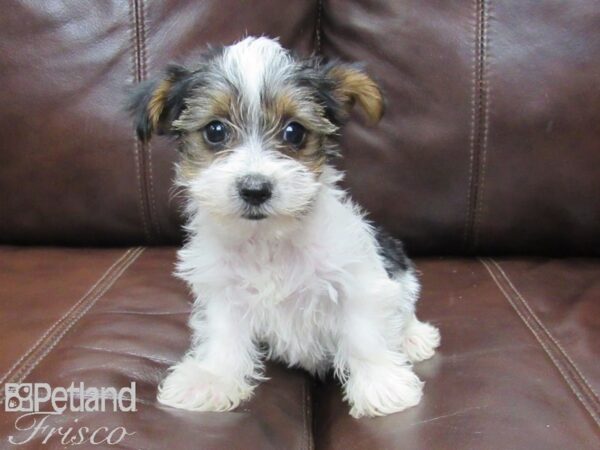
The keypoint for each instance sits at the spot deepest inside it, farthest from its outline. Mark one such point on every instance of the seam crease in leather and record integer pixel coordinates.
(479, 124)
(563, 363)
(141, 150)
(25, 365)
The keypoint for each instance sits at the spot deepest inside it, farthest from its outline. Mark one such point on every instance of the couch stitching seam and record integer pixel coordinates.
(102, 287)
(473, 122)
(545, 329)
(306, 411)
(485, 89)
(137, 152)
(318, 27)
(64, 316)
(304, 432)
(143, 76)
(137, 149)
(543, 344)
(479, 117)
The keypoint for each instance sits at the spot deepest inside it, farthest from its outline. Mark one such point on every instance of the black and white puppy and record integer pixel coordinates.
(277, 253)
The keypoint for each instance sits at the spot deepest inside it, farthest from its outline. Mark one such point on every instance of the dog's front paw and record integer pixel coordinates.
(190, 386)
(420, 341)
(378, 391)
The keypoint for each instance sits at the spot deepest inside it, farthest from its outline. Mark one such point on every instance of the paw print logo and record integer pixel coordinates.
(19, 397)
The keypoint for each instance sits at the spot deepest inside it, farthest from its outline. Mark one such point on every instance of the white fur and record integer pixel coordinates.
(308, 281)
(315, 290)
(253, 62)
(294, 186)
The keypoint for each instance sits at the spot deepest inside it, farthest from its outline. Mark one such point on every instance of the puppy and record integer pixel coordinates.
(281, 263)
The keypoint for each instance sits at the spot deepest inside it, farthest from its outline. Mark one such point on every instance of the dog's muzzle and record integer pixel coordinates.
(254, 190)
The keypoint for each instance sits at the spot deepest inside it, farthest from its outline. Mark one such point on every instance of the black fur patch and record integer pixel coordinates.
(137, 105)
(182, 82)
(314, 74)
(392, 251)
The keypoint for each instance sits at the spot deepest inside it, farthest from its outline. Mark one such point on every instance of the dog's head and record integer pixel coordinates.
(255, 126)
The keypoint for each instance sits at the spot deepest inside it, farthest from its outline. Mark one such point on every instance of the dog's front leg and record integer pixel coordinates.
(221, 368)
(377, 379)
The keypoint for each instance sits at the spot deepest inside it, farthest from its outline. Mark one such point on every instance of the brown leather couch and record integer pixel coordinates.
(487, 164)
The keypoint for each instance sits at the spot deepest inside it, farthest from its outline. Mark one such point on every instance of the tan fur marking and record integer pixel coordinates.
(157, 102)
(221, 103)
(192, 164)
(311, 154)
(197, 157)
(285, 105)
(356, 86)
(279, 108)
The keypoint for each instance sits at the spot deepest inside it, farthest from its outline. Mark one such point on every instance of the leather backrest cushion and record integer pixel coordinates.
(491, 138)
(490, 142)
(71, 169)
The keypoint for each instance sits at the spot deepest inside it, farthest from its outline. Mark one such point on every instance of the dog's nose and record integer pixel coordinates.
(255, 189)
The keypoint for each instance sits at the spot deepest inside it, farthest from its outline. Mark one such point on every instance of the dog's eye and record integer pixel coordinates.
(294, 134)
(215, 132)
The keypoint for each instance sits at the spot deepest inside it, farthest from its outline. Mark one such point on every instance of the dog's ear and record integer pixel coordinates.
(155, 104)
(352, 85)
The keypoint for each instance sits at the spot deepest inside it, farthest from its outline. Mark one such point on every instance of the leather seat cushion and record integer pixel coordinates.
(517, 367)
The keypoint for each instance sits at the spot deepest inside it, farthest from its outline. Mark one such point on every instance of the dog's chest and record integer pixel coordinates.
(279, 272)
(290, 295)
